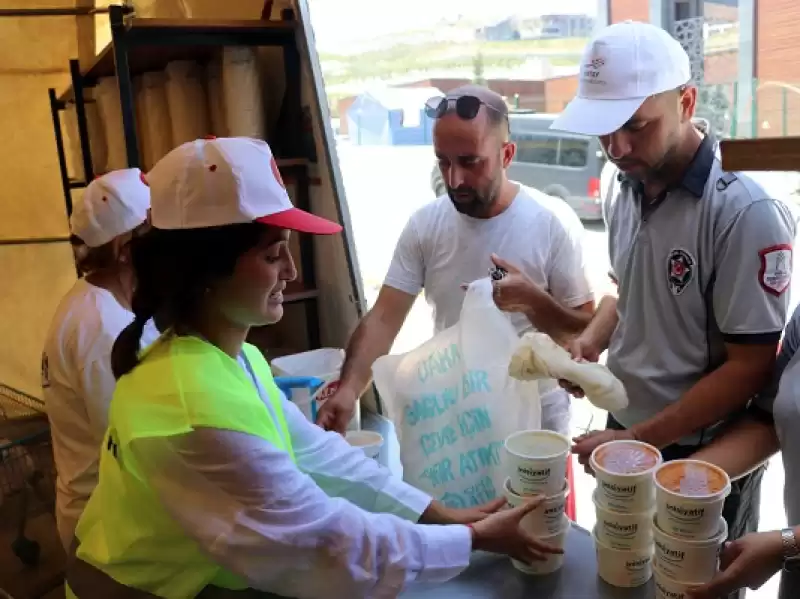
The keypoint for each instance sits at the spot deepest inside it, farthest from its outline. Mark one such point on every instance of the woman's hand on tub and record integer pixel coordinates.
(747, 562)
(438, 513)
(501, 533)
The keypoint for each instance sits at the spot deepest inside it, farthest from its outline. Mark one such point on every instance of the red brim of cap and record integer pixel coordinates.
(301, 221)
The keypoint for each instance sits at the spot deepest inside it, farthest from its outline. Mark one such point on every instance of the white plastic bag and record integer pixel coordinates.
(188, 102)
(453, 403)
(152, 117)
(108, 107)
(241, 90)
(216, 98)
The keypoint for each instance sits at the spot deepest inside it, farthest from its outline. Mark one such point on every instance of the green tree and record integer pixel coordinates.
(477, 69)
(714, 105)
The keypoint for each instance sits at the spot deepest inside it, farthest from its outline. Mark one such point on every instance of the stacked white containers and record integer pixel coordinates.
(536, 462)
(688, 525)
(625, 503)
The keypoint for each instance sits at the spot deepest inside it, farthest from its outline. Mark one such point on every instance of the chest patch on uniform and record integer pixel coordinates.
(775, 273)
(680, 270)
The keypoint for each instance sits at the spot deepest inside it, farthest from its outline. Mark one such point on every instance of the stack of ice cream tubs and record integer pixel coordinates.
(536, 464)
(688, 526)
(625, 503)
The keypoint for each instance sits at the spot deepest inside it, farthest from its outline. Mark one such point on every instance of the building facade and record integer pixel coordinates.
(744, 55)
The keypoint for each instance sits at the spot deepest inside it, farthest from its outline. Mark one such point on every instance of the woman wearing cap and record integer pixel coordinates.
(211, 482)
(770, 425)
(76, 368)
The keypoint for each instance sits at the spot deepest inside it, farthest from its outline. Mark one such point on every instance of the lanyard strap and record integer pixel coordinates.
(265, 398)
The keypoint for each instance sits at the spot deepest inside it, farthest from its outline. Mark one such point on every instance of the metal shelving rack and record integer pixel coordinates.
(140, 45)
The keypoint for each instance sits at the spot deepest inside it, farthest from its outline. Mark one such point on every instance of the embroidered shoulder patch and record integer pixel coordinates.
(775, 273)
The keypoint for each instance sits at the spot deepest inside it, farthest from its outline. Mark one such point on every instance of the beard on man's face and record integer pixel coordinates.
(470, 201)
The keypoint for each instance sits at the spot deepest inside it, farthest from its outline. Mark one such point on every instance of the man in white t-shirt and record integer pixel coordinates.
(484, 219)
(77, 381)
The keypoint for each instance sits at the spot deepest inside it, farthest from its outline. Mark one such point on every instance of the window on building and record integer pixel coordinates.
(683, 10)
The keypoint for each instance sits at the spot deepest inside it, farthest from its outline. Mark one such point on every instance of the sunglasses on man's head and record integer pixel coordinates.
(466, 107)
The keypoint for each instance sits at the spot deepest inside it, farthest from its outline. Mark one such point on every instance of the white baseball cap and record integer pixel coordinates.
(112, 204)
(622, 66)
(224, 181)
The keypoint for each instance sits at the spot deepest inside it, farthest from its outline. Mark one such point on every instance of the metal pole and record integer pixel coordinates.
(83, 125)
(120, 45)
(34, 240)
(785, 111)
(754, 110)
(62, 159)
(57, 12)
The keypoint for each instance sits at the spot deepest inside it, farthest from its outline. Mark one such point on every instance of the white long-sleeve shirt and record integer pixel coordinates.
(77, 385)
(335, 524)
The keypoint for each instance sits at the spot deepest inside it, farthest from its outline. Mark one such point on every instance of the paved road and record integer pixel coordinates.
(384, 185)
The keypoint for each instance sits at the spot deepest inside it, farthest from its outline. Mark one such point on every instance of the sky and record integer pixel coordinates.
(340, 21)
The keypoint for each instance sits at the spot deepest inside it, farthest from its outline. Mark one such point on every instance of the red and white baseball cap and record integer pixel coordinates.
(622, 66)
(224, 181)
(112, 205)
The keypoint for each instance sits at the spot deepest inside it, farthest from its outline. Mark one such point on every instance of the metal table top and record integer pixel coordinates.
(493, 577)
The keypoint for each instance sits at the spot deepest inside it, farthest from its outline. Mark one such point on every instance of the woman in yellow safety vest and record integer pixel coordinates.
(211, 483)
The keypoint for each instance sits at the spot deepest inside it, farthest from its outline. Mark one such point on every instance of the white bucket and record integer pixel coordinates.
(326, 364)
(690, 495)
(547, 518)
(536, 461)
(626, 569)
(692, 561)
(624, 473)
(303, 398)
(553, 561)
(623, 530)
(667, 588)
(368, 441)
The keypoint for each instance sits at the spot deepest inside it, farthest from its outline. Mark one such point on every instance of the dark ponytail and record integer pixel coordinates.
(173, 270)
(145, 304)
(125, 353)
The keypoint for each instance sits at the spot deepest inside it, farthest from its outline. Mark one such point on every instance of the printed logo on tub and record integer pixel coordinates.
(534, 474)
(626, 529)
(667, 594)
(695, 513)
(637, 564)
(670, 555)
(620, 491)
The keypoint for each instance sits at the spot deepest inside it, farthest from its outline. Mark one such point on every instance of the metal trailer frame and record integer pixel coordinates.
(294, 35)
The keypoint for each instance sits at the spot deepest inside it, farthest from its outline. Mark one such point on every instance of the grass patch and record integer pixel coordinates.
(402, 59)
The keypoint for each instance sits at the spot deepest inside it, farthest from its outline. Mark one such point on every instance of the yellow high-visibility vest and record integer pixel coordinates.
(181, 384)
